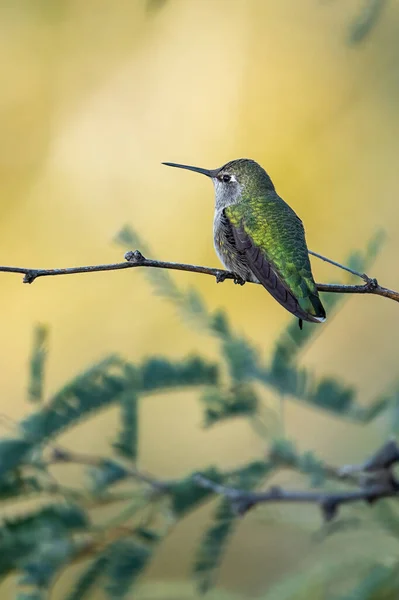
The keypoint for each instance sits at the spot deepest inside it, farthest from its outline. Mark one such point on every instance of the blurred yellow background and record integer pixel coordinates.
(94, 95)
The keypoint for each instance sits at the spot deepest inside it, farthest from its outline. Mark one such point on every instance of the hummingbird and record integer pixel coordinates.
(259, 237)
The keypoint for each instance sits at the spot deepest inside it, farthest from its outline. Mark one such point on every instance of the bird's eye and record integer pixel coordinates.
(226, 178)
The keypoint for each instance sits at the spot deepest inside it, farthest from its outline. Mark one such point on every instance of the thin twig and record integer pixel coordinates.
(363, 276)
(136, 259)
(61, 456)
(378, 482)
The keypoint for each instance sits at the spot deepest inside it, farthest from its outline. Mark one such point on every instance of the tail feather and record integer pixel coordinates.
(313, 307)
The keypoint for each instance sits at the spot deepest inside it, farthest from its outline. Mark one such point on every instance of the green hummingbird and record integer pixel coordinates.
(260, 238)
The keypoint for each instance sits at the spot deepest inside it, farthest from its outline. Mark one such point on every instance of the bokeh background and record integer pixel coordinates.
(94, 95)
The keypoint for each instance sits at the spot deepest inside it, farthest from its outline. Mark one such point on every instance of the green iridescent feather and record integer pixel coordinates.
(277, 231)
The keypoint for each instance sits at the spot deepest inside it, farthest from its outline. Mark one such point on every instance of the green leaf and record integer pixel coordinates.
(386, 515)
(214, 541)
(155, 5)
(160, 373)
(240, 355)
(329, 394)
(89, 579)
(127, 560)
(160, 279)
(249, 476)
(240, 401)
(95, 389)
(106, 383)
(311, 465)
(213, 545)
(187, 495)
(34, 594)
(366, 20)
(49, 556)
(127, 442)
(106, 474)
(14, 484)
(381, 583)
(366, 414)
(24, 538)
(13, 452)
(37, 364)
(241, 358)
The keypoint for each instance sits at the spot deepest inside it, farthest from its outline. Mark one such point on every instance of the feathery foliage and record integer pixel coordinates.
(37, 364)
(214, 541)
(42, 543)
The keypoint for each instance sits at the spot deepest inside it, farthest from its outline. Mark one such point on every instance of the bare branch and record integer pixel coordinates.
(378, 482)
(136, 259)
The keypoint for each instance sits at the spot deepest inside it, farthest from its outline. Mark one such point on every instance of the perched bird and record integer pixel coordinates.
(259, 237)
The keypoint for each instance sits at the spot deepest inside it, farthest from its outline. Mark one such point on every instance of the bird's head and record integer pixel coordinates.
(234, 180)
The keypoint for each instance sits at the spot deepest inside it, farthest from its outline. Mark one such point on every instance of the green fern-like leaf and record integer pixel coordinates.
(106, 383)
(31, 594)
(214, 542)
(155, 5)
(24, 538)
(366, 20)
(127, 442)
(386, 515)
(13, 452)
(97, 388)
(106, 474)
(89, 579)
(14, 484)
(127, 560)
(160, 373)
(381, 583)
(37, 364)
(186, 495)
(240, 401)
(48, 558)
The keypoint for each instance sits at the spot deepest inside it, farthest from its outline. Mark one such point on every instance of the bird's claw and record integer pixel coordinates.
(223, 275)
(238, 280)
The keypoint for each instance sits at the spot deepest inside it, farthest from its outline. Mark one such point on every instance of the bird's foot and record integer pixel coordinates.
(238, 280)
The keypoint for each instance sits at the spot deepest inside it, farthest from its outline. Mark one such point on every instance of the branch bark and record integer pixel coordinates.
(374, 479)
(377, 481)
(136, 259)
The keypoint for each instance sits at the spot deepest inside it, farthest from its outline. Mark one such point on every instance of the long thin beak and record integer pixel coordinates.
(207, 172)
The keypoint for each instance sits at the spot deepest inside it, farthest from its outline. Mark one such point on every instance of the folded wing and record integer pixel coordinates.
(271, 238)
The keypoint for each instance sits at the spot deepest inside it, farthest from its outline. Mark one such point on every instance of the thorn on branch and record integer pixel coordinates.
(241, 507)
(134, 256)
(329, 509)
(380, 484)
(30, 276)
(221, 276)
(60, 455)
(371, 283)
